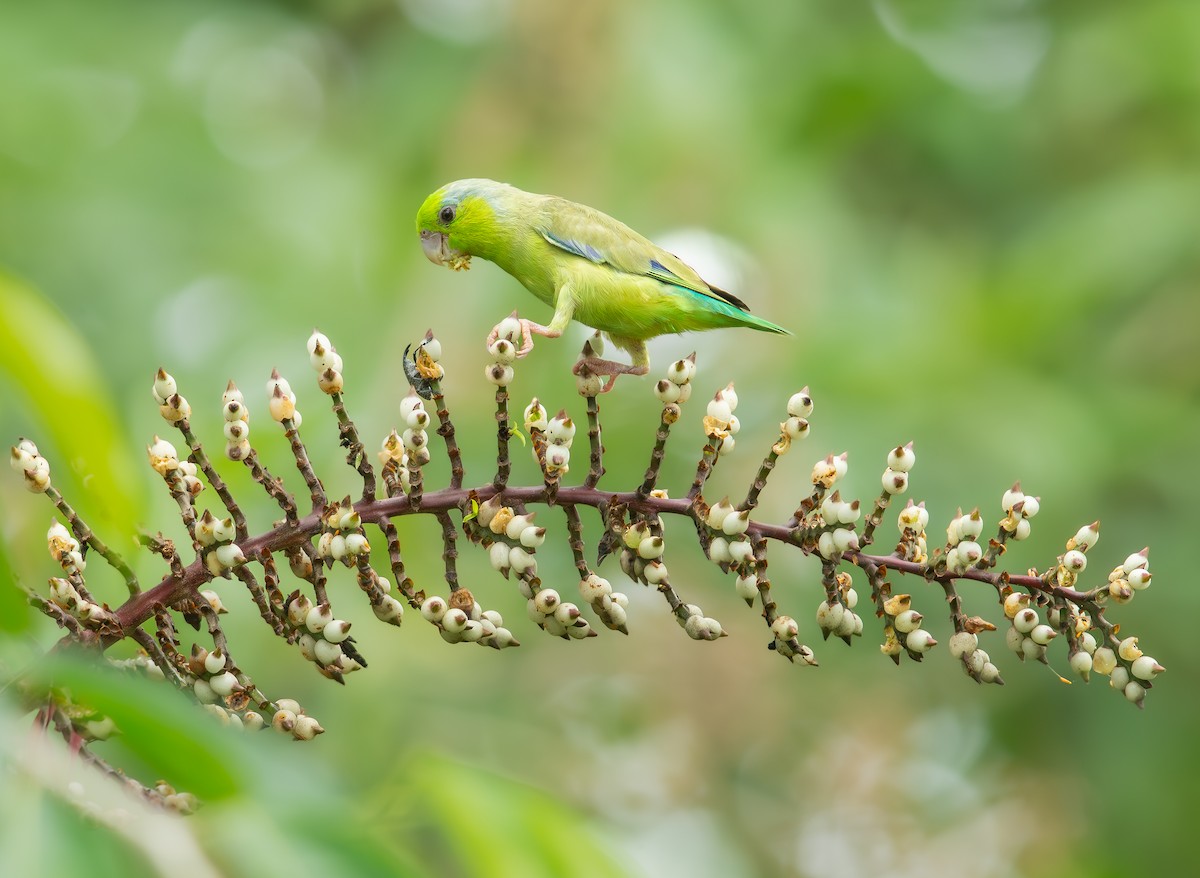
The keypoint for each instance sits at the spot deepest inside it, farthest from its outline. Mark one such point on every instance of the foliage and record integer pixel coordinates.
(978, 219)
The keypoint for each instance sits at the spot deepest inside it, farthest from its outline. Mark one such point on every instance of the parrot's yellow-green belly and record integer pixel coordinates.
(629, 306)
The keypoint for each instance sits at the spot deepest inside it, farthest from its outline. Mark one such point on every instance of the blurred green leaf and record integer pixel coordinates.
(15, 612)
(74, 419)
(486, 824)
(167, 732)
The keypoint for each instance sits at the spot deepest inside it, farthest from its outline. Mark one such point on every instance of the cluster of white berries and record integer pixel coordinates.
(838, 618)
(215, 537)
(1128, 669)
(64, 548)
(515, 539)
(729, 542)
(237, 423)
(786, 630)
(26, 460)
(799, 407)
(213, 680)
(1128, 578)
(1028, 636)
(559, 433)
(281, 400)
(64, 595)
(512, 547)
(326, 362)
(641, 559)
(903, 629)
(1018, 509)
(746, 586)
(290, 718)
(610, 606)
(389, 609)
(476, 625)
(413, 444)
(180, 475)
(342, 540)
(183, 803)
(217, 687)
(393, 456)
(141, 663)
(557, 617)
(839, 517)
(321, 635)
(901, 460)
(964, 645)
(173, 407)
(833, 467)
(699, 626)
(912, 521)
(721, 423)
(962, 541)
(503, 351)
(341, 537)
(676, 388)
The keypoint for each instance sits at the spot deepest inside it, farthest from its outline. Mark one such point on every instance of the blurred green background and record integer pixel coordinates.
(979, 219)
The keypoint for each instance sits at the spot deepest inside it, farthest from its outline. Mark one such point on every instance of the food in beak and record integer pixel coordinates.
(439, 252)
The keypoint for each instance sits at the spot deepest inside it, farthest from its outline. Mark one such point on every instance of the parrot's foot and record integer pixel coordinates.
(597, 366)
(528, 330)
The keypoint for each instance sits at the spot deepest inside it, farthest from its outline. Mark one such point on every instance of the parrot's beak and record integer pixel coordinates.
(437, 248)
(434, 243)
(438, 251)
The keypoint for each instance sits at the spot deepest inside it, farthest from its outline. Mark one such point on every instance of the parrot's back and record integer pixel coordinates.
(626, 284)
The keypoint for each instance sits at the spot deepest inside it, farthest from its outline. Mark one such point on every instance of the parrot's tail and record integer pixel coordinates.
(748, 319)
(722, 312)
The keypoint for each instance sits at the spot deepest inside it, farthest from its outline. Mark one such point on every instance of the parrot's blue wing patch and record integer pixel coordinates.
(660, 272)
(587, 251)
(655, 270)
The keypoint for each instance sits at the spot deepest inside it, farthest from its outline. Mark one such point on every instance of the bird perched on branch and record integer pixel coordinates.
(585, 264)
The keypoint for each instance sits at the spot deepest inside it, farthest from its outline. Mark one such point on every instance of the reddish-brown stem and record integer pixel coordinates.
(201, 460)
(172, 588)
(503, 431)
(670, 414)
(595, 443)
(356, 455)
(446, 431)
(315, 489)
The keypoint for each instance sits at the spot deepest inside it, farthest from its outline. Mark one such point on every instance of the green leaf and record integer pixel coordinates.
(497, 826)
(15, 612)
(71, 414)
(474, 513)
(165, 731)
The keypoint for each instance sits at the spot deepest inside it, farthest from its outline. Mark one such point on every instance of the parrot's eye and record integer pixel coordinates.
(446, 215)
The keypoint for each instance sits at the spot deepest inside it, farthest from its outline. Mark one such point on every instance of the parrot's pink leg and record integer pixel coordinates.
(528, 330)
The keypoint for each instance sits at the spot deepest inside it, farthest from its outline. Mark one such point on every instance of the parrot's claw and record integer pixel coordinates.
(597, 366)
(526, 338)
(528, 330)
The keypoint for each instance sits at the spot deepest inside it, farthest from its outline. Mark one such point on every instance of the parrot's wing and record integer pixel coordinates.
(597, 237)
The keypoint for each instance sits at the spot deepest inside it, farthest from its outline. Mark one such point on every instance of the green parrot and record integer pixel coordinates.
(585, 264)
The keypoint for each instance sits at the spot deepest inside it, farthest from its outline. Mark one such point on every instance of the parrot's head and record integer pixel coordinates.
(461, 220)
